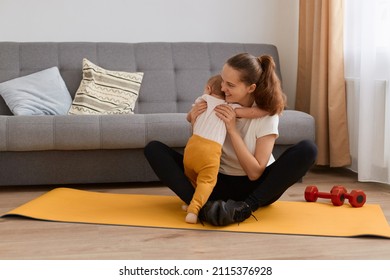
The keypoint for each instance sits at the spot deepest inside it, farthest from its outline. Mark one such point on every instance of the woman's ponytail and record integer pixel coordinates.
(268, 94)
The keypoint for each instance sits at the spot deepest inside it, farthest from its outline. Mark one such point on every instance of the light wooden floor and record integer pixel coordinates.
(31, 239)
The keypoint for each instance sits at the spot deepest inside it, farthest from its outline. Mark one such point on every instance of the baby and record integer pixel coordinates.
(203, 151)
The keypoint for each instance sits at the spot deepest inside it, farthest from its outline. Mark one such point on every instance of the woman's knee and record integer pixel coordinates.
(309, 150)
(152, 148)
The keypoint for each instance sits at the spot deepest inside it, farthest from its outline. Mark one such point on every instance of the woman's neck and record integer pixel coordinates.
(248, 102)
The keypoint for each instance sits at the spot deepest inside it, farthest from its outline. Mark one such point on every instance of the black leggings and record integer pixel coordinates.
(288, 169)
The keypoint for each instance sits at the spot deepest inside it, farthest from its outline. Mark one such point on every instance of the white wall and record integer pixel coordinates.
(247, 21)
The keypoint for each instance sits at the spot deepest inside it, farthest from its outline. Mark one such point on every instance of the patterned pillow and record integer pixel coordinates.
(105, 92)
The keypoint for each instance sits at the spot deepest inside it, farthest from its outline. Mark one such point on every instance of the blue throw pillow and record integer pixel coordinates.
(40, 93)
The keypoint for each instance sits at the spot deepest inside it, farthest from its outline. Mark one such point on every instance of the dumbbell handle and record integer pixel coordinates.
(324, 195)
(336, 196)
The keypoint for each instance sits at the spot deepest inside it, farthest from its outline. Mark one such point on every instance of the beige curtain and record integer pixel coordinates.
(321, 84)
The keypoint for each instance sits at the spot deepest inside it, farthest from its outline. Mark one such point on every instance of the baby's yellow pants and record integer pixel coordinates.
(201, 165)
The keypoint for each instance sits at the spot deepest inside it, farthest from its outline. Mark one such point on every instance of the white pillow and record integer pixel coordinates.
(106, 92)
(40, 93)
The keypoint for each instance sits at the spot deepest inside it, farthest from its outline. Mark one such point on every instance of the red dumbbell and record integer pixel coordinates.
(356, 198)
(336, 195)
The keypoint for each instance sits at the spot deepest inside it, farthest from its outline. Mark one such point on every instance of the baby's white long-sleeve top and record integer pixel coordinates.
(208, 125)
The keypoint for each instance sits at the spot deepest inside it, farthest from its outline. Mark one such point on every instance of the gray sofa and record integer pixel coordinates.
(62, 149)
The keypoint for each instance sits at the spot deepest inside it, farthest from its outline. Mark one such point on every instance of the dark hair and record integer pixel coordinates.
(215, 84)
(261, 72)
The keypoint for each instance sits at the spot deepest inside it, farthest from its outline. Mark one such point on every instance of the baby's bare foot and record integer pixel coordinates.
(191, 218)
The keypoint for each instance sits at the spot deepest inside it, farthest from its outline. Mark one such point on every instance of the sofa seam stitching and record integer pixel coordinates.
(209, 57)
(58, 57)
(19, 51)
(97, 53)
(174, 78)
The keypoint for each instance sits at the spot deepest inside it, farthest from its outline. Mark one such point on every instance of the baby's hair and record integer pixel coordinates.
(260, 71)
(215, 83)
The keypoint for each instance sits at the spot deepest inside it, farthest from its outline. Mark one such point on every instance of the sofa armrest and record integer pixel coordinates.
(295, 126)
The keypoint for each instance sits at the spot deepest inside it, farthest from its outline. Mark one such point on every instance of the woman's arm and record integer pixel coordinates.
(253, 165)
(250, 112)
(197, 109)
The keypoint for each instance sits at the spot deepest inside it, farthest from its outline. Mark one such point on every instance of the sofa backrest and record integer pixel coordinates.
(175, 73)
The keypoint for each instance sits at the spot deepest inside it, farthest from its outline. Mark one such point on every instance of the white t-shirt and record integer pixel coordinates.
(250, 130)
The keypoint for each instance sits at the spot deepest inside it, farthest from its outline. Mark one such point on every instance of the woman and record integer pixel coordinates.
(249, 177)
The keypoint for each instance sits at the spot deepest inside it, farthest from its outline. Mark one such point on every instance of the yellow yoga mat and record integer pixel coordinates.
(282, 217)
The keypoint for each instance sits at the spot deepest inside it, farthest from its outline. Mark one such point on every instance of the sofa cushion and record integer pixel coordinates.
(105, 92)
(40, 93)
(42, 133)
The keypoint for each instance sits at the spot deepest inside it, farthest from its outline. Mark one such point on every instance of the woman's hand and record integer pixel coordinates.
(228, 115)
(197, 109)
